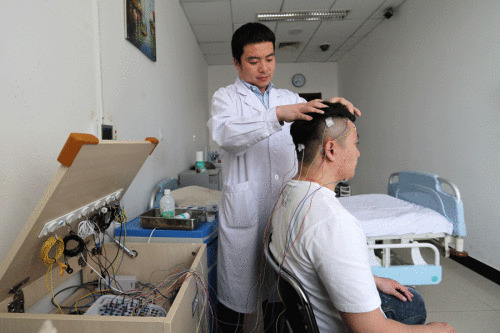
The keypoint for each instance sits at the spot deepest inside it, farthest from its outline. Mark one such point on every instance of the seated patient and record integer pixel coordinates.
(324, 246)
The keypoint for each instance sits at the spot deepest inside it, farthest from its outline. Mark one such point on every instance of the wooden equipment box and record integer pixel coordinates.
(93, 173)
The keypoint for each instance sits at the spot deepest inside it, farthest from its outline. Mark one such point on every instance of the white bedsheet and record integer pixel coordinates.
(383, 215)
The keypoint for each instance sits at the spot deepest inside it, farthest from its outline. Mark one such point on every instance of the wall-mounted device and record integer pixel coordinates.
(106, 132)
(324, 47)
(389, 12)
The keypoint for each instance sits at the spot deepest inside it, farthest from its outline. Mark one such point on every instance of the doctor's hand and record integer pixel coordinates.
(299, 111)
(348, 105)
(394, 288)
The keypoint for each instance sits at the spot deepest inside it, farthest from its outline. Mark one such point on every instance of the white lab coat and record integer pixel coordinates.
(258, 158)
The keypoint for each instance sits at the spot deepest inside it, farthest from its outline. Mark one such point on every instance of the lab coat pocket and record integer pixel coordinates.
(240, 205)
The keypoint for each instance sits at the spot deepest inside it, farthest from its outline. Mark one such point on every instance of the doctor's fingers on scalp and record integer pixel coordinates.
(313, 106)
(294, 112)
(352, 109)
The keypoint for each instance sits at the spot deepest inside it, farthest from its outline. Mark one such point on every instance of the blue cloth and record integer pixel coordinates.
(410, 313)
(264, 98)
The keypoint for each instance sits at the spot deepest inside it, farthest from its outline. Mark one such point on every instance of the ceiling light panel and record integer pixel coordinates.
(244, 10)
(313, 15)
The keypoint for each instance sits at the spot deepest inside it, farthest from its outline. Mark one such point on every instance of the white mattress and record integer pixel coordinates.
(383, 215)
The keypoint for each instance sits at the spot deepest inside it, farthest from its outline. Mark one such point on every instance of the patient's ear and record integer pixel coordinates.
(330, 149)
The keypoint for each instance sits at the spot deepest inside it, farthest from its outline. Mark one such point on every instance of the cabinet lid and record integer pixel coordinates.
(90, 171)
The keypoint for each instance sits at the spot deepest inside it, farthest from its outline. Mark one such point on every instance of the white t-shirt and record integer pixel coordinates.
(325, 248)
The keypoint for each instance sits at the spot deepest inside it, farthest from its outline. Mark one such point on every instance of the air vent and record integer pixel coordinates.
(288, 46)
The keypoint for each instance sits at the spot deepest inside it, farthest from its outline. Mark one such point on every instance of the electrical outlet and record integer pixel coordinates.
(107, 132)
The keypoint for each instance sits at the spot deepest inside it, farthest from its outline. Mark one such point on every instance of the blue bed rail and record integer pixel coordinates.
(425, 189)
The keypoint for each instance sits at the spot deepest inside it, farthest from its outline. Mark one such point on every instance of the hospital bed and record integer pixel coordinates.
(416, 213)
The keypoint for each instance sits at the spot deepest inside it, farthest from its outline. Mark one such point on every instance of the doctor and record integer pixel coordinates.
(250, 122)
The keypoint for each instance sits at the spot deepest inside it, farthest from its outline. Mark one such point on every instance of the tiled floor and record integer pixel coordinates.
(464, 299)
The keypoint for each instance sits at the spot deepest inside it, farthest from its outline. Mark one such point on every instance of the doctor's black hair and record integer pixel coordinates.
(310, 132)
(250, 33)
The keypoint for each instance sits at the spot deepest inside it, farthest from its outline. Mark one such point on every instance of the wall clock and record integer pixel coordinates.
(298, 80)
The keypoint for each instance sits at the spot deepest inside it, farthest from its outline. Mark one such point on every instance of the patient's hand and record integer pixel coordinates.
(394, 288)
(441, 327)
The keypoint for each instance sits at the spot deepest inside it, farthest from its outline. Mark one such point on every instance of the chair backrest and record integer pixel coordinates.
(298, 310)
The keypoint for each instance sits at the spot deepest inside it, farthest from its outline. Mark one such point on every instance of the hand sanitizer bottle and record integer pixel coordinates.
(167, 205)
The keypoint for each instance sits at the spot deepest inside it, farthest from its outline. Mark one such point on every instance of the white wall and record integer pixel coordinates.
(427, 82)
(65, 65)
(320, 77)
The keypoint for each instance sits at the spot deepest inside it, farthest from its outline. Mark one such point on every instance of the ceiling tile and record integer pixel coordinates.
(346, 47)
(366, 28)
(215, 47)
(218, 12)
(336, 29)
(270, 25)
(287, 56)
(283, 31)
(201, 0)
(315, 42)
(299, 5)
(314, 56)
(360, 9)
(213, 32)
(388, 3)
(337, 56)
(245, 10)
(217, 59)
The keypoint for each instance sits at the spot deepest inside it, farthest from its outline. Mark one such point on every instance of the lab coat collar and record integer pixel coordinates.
(252, 100)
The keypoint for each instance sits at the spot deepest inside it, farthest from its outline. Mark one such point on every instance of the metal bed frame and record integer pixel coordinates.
(426, 190)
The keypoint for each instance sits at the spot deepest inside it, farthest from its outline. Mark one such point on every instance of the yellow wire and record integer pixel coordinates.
(49, 262)
(94, 292)
(47, 246)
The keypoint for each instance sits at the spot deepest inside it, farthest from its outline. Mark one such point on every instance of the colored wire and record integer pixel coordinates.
(49, 262)
(86, 228)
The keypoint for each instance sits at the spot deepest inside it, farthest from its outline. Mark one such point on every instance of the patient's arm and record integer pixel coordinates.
(374, 321)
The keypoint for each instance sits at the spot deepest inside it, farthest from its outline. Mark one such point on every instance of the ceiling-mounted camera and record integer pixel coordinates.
(324, 47)
(389, 12)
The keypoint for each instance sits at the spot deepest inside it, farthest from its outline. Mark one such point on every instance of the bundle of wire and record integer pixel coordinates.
(86, 228)
(49, 262)
(107, 267)
(161, 292)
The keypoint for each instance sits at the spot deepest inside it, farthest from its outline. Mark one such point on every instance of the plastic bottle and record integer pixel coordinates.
(167, 205)
(185, 216)
(200, 162)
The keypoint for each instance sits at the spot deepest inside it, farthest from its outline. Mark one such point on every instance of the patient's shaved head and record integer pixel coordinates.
(331, 125)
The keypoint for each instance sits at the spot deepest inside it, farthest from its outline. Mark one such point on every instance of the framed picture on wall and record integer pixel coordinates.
(140, 25)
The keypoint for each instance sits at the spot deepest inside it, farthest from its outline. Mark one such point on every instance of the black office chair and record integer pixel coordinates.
(299, 315)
